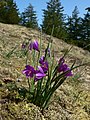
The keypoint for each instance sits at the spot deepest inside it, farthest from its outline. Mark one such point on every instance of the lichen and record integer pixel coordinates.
(20, 111)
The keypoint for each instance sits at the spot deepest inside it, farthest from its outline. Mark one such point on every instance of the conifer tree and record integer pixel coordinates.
(88, 8)
(53, 18)
(86, 26)
(29, 18)
(74, 25)
(69, 25)
(85, 33)
(2, 11)
(8, 12)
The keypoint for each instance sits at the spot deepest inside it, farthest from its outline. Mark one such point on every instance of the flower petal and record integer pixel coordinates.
(36, 45)
(40, 69)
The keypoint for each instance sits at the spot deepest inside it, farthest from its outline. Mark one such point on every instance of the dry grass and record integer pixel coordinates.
(71, 101)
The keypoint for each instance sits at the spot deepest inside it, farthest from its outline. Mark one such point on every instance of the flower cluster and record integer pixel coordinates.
(38, 74)
(42, 66)
(45, 76)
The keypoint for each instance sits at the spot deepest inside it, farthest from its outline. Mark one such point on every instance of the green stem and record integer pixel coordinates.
(27, 58)
(51, 93)
(38, 91)
(28, 84)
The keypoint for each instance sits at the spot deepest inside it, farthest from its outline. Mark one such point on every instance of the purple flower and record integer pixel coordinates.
(31, 46)
(34, 45)
(61, 61)
(29, 71)
(23, 46)
(39, 74)
(69, 73)
(63, 68)
(45, 66)
(41, 61)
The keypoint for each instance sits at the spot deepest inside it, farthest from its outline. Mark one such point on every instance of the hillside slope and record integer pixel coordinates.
(71, 101)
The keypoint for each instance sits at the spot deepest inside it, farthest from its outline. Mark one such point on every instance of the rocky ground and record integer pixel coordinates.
(70, 102)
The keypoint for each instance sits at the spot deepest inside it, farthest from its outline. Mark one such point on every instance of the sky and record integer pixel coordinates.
(39, 5)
